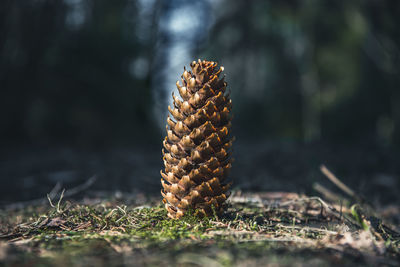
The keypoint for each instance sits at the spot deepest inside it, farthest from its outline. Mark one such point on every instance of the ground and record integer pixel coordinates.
(283, 210)
(257, 229)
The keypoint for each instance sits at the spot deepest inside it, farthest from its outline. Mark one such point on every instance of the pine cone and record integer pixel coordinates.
(197, 157)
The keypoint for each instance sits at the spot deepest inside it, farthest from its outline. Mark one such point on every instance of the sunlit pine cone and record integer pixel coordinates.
(197, 146)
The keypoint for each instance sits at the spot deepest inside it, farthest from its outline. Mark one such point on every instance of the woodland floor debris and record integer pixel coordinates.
(268, 227)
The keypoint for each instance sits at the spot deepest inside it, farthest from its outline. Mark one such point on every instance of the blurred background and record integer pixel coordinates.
(85, 87)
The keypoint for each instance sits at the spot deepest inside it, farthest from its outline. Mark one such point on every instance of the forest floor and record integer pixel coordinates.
(257, 229)
(283, 210)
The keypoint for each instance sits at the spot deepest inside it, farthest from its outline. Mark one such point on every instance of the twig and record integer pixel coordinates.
(50, 202)
(73, 191)
(59, 202)
(337, 182)
(307, 229)
(327, 207)
(55, 190)
(326, 192)
(53, 193)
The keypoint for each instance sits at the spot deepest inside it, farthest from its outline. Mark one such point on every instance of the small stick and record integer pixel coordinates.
(326, 192)
(328, 208)
(59, 202)
(55, 190)
(337, 182)
(81, 187)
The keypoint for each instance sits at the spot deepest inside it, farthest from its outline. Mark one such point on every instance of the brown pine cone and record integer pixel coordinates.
(197, 157)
